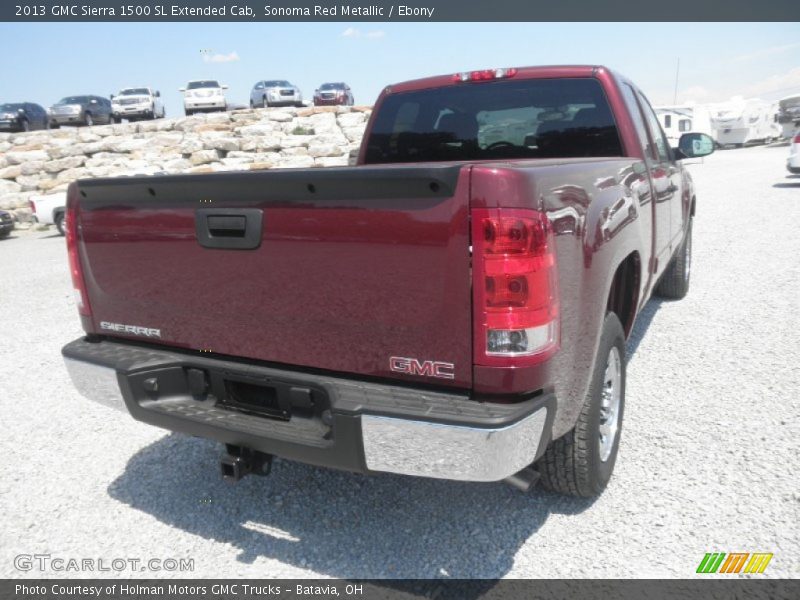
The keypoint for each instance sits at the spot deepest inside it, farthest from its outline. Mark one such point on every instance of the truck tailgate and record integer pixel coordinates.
(337, 269)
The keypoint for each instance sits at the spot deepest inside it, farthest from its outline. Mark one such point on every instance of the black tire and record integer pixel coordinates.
(264, 103)
(88, 120)
(252, 106)
(25, 125)
(188, 112)
(54, 125)
(59, 221)
(574, 463)
(674, 283)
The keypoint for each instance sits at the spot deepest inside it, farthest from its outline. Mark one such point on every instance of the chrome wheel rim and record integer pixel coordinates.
(609, 404)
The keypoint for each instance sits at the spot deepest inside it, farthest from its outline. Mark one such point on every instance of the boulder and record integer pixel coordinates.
(68, 162)
(17, 157)
(202, 157)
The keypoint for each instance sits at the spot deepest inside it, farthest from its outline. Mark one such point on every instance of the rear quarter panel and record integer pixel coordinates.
(600, 213)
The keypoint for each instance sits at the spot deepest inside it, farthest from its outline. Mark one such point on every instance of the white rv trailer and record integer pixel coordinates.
(789, 115)
(677, 120)
(739, 122)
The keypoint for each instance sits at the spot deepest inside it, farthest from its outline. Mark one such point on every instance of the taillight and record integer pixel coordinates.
(515, 287)
(75, 269)
(484, 75)
(796, 139)
(33, 206)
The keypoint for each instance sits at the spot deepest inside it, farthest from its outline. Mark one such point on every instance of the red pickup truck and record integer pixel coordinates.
(454, 306)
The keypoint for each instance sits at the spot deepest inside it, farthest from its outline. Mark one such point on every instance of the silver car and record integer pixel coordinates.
(276, 92)
(81, 110)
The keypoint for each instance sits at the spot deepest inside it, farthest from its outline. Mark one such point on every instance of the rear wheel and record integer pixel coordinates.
(59, 221)
(581, 462)
(264, 103)
(26, 126)
(88, 120)
(674, 282)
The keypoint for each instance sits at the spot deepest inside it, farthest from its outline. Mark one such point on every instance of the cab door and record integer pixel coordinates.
(666, 177)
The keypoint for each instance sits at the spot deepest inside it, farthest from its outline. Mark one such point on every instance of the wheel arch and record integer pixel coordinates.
(623, 295)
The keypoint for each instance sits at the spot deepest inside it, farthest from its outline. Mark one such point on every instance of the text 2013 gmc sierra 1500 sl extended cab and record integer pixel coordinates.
(454, 306)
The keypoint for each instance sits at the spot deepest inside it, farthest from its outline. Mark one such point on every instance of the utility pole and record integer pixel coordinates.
(677, 70)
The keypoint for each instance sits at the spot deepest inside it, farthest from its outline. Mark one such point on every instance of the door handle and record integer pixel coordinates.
(233, 228)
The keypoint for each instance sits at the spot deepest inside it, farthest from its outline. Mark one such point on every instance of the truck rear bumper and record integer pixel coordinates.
(312, 417)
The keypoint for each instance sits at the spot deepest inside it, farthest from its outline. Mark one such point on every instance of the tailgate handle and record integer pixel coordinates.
(227, 226)
(233, 228)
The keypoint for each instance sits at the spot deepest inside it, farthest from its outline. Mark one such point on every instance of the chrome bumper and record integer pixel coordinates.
(392, 444)
(451, 451)
(99, 384)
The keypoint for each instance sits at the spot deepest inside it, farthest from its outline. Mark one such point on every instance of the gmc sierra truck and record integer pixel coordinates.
(455, 306)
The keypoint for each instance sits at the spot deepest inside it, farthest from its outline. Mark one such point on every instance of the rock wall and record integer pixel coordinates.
(45, 162)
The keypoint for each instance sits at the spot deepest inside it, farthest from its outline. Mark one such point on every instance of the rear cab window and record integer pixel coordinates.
(527, 118)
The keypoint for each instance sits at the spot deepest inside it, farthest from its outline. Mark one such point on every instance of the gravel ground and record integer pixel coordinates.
(708, 460)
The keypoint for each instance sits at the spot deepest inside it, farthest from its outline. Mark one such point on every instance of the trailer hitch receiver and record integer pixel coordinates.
(238, 462)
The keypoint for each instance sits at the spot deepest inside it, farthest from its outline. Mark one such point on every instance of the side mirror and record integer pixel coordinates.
(181, 89)
(21, 111)
(695, 145)
(93, 101)
(316, 91)
(224, 87)
(112, 96)
(158, 94)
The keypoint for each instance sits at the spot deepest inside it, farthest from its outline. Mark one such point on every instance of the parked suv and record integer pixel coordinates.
(332, 94)
(81, 110)
(137, 103)
(793, 162)
(204, 95)
(22, 116)
(277, 92)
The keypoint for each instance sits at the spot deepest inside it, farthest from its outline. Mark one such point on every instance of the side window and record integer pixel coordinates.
(684, 125)
(667, 121)
(660, 151)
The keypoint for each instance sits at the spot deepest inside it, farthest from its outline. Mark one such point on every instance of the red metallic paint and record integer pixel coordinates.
(346, 288)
